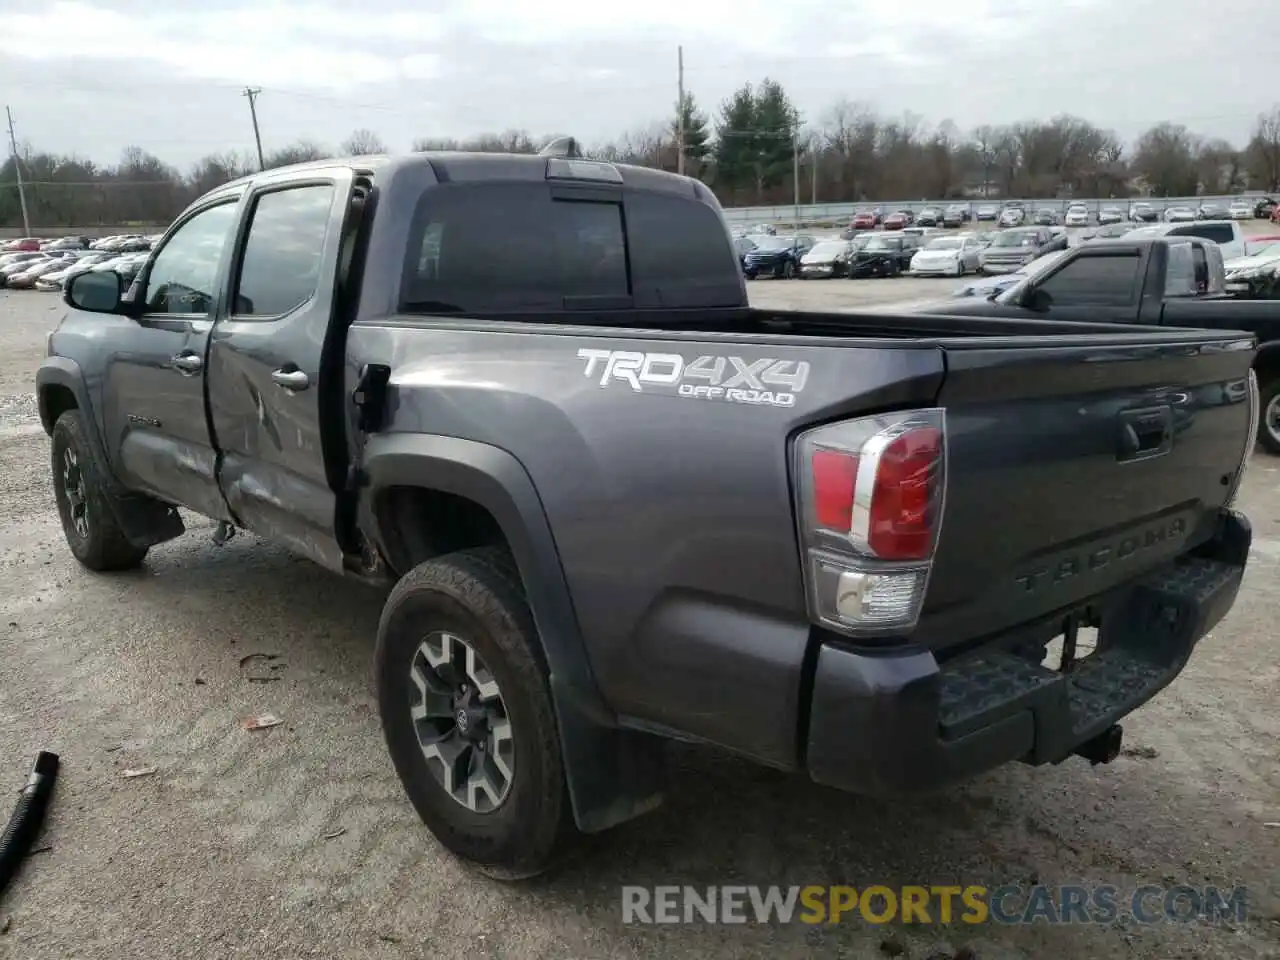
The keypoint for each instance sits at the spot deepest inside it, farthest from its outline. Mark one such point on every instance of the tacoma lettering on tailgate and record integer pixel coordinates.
(764, 381)
(1103, 555)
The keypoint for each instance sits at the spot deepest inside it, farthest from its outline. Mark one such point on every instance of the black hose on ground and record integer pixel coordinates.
(28, 816)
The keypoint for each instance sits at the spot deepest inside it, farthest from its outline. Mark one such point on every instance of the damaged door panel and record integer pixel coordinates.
(265, 366)
(154, 383)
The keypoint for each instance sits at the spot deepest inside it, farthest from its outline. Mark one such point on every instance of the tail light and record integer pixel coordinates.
(870, 500)
(1250, 439)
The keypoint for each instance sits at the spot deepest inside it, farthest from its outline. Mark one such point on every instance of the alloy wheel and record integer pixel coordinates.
(73, 485)
(461, 722)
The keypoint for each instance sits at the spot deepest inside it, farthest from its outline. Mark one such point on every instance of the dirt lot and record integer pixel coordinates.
(297, 841)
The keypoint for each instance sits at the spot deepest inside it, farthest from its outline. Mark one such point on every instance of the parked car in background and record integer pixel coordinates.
(21, 264)
(1110, 214)
(1143, 212)
(1077, 215)
(26, 279)
(81, 264)
(929, 217)
(763, 230)
(1212, 210)
(987, 213)
(22, 245)
(1240, 210)
(1110, 231)
(884, 256)
(1012, 217)
(1245, 274)
(1012, 249)
(1257, 241)
(991, 285)
(898, 219)
(1263, 207)
(946, 256)
(864, 220)
(1047, 217)
(956, 215)
(1180, 215)
(742, 245)
(918, 231)
(776, 257)
(830, 258)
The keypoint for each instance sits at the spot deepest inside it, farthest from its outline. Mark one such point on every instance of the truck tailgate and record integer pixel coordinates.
(1076, 464)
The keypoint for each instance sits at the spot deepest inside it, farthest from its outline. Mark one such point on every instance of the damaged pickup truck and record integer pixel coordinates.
(614, 504)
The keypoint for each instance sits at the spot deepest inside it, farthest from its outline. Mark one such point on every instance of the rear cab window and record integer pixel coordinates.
(527, 247)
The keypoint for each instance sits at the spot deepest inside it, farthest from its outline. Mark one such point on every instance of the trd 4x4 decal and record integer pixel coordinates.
(762, 381)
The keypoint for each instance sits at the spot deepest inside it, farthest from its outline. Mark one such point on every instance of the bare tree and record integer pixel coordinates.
(361, 143)
(1263, 151)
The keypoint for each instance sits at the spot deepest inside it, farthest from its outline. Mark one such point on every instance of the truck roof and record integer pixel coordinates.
(457, 166)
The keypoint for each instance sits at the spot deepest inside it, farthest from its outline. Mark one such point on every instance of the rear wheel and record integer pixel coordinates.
(1269, 421)
(79, 489)
(467, 714)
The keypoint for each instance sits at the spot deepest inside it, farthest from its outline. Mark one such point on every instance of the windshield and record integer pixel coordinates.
(775, 243)
(828, 248)
(945, 243)
(880, 243)
(1014, 240)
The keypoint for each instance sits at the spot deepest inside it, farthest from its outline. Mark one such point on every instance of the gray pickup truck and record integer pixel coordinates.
(616, 505)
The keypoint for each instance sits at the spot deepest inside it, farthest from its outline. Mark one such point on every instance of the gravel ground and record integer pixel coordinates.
(297, 841)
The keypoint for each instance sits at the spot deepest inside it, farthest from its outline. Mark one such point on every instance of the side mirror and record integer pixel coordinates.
(1037, 299)
(95, 291)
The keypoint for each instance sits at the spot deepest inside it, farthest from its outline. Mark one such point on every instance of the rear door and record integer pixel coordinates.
(266, 381)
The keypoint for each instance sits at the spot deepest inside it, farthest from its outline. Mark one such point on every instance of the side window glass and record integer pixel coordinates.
(1180, 274)
(481, 249)
(284, 250)
(185, 269)
(1107, 281)
(591, 248)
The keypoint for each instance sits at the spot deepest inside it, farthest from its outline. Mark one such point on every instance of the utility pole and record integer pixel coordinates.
(252, 94)
(680, 112)
(795, 166)
(17, 170)
(813, 167)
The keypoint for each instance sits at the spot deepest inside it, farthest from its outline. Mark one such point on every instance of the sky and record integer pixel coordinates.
(90, 77)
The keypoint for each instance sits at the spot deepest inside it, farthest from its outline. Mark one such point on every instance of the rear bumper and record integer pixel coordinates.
(893, 724)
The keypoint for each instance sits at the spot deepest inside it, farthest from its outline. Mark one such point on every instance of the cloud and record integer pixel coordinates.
(235, 45)
(90, 76)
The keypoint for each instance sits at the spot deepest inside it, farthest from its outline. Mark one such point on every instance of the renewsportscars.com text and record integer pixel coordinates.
(975, 904)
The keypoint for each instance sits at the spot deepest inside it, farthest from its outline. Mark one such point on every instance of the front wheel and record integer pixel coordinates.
(84, 507)
(467, 714)
(1269, 421)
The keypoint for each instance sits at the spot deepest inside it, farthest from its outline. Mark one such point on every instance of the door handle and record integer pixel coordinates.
(290, 379)
(188, 363)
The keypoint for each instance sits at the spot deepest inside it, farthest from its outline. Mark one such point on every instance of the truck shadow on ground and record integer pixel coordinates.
(725, 820)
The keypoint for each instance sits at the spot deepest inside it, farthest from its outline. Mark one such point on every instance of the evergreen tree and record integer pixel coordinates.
(697, 138)
(775, 122)
(736, 141)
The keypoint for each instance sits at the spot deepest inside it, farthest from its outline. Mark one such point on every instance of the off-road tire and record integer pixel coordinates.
(1267, 392)
(477, 595)
(104, 547)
